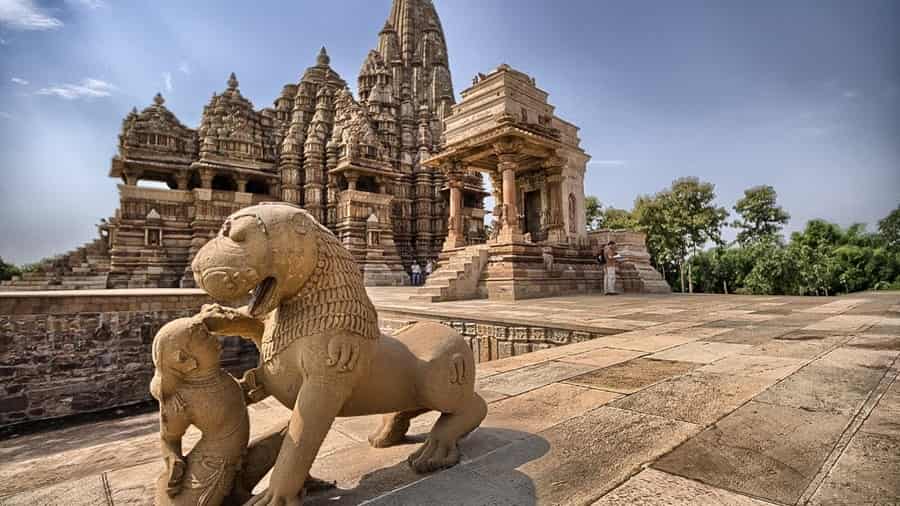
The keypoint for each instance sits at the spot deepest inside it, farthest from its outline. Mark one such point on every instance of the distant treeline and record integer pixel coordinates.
(682, 222)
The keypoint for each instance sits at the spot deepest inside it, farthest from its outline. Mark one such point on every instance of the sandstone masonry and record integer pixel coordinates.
(67, 353)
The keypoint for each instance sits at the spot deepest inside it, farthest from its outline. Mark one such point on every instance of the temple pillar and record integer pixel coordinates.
(455, 234)
(508, 154)
(351, 180)
(132, 177)
(183, 180)
(242, 185)
(206, 178)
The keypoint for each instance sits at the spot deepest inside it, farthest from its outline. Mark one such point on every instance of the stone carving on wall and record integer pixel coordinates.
(326, 326)
(573, 214)
(493, 341)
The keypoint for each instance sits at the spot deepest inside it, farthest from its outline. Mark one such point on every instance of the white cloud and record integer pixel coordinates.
(184, 68)
(851, 94)
(610, 163)
(25, 15)
(5, 115)
(87, 88)
(167, 81)
(19, 80)
(90, 4)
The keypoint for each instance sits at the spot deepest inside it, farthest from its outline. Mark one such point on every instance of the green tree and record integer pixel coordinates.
(761, 218)
(617, 219)
(610, 218)
(772, 272)
(7, 271)
(593, 211)
(722, 269)
(812, 251)
(694, 218)
(889, 228)
(662, 243)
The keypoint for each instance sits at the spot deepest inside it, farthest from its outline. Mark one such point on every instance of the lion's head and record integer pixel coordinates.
(268, 251)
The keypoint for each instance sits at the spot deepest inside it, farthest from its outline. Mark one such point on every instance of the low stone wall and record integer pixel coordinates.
(496, 340)
(70, 353)
(67, 353)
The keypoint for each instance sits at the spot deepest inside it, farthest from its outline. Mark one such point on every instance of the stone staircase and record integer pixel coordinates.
(457, 279)
(85, 268)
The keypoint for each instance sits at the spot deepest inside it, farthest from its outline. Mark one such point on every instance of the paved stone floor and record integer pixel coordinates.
(696, 400)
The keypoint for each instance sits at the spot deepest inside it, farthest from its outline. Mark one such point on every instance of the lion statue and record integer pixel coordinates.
(321, 351)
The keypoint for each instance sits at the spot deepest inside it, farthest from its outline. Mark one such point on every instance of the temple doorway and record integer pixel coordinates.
(533, 214)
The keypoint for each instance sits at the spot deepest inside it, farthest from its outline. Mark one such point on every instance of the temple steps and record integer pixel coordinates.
(84, 268)
(456, 279)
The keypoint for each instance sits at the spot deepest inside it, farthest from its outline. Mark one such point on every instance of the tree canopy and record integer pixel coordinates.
(761, 218)
(7, 271)
(889, 228)
(683, 226)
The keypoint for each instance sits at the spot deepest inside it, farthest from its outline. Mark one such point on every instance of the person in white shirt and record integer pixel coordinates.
(610, 257)
(416, 274)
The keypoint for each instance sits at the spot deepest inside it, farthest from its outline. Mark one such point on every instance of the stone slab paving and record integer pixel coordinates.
(750, 335)
(700, 400)
(701, 352)
(632, 376)
(761, 449)
(655, 488)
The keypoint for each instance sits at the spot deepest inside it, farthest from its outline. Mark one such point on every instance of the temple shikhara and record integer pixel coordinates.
(396, 172)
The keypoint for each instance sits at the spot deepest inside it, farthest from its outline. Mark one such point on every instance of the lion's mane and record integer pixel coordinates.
(333, 298)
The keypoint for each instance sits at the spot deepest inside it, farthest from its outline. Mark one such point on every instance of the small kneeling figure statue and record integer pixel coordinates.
(193, 389)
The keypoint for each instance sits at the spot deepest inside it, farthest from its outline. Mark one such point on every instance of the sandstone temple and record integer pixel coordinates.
(353, 163)
(395, 172)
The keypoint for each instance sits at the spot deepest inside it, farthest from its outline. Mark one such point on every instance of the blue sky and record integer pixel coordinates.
(802, 95)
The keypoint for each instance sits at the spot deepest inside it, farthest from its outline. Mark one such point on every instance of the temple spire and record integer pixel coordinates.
(323, 60)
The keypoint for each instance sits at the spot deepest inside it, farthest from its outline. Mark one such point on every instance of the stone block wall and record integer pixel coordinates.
(67, 353)
(527, 271)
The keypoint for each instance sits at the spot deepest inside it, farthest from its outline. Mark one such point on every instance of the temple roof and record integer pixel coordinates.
(231, 129)
(156, 132)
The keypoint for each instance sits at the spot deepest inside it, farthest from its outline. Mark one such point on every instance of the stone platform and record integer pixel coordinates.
(696, 400)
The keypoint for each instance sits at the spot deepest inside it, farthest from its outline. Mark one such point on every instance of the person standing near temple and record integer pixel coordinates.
(610, 258)
(416, 274)
(429, 268)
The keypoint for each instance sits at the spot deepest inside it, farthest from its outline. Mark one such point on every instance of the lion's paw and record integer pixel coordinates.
(434, 455)
(386, 439)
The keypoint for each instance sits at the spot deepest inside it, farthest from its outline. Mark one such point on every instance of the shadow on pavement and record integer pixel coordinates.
(463, 484)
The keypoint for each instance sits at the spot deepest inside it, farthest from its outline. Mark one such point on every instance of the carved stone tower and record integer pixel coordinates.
(406, 86)
(355, 165)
